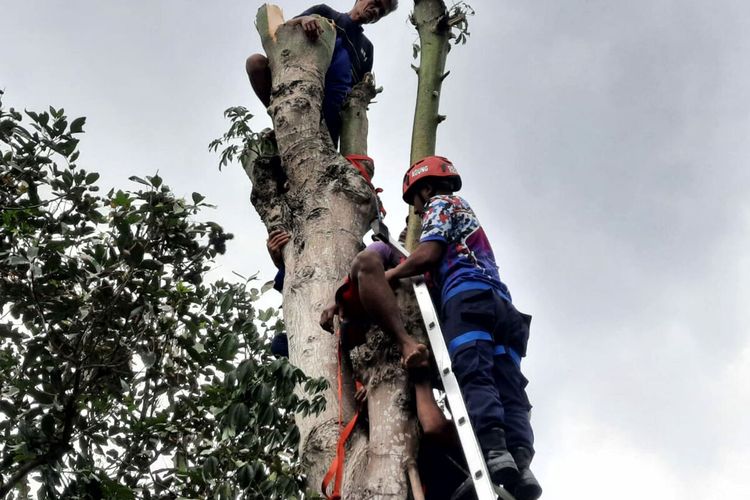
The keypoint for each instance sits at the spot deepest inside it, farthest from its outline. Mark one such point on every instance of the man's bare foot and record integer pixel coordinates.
(419, 357)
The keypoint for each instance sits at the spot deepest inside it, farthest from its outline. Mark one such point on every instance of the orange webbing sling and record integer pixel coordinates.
(336, 469)
(355, 161)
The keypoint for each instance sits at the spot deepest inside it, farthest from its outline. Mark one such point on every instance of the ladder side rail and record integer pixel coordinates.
(472, 452)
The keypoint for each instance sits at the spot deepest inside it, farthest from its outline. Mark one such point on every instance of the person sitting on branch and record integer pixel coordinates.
(485, 334)
(351, 61)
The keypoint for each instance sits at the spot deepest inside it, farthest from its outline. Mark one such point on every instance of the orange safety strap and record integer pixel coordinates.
(336, 469)
(355, 161)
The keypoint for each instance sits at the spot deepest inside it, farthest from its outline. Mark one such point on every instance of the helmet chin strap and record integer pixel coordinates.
(422, 198)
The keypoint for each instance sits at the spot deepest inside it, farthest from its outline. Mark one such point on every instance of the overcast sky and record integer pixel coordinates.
(603, 144)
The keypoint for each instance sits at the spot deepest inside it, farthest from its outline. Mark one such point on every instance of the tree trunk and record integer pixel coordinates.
(430, 17)
(325, 204)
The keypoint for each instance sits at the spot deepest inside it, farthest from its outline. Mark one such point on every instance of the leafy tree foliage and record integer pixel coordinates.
(123, 372)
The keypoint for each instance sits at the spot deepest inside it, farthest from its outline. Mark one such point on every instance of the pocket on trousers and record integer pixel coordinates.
(478, 310)
(518, 337)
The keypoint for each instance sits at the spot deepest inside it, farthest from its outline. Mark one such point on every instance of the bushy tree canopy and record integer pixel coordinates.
(123, 372)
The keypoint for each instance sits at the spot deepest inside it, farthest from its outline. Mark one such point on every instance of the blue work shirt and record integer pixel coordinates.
(354, 41)
(468, 262)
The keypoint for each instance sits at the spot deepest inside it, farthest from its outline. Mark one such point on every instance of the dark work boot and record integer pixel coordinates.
(527, 487)
(500, 463)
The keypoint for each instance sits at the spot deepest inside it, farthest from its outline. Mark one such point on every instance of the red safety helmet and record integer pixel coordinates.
(436, 167)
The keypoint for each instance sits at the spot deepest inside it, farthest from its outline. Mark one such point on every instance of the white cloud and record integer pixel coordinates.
(592, 461)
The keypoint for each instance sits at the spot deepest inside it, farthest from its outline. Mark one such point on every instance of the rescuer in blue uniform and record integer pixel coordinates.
(485, 334)
(351, 60)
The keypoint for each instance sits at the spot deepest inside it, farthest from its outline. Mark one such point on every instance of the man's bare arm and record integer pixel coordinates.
(425, 257)
(310, 26)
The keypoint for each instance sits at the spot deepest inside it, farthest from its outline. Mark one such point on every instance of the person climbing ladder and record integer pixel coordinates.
(485, 334)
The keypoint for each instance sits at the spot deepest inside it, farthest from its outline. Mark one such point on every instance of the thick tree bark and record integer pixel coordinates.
(316, 195)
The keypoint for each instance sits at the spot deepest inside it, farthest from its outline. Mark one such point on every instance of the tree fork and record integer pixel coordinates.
(316, 195)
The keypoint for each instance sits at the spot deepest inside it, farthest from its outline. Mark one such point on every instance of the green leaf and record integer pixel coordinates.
(76, 126)
(291, 439)
(148, 359)
(264, 396)
(225, 492)
(41, 396)
(210, 467)
(197, 198)
(265, 417)
(265, 315)
(228, 347)
(155, 180)
(245, 476)
(17, 260)
(92, 178)
(121, 199)
(48, 425)
(266, 286)
(135, 178)
(66, 148)
(244, 371)
(239, 416)
(226, 302)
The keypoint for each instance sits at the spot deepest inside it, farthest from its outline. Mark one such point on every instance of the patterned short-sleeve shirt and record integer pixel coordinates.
(468, 262)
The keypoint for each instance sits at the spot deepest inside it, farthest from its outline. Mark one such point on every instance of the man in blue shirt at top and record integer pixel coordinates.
(351, 60)
(485, 334)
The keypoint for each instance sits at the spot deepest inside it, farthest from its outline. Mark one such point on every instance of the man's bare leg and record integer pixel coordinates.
(435, 426)
(368, 275)
(260, 77)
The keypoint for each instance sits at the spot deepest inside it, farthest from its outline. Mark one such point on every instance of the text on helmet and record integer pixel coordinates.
(418, 171)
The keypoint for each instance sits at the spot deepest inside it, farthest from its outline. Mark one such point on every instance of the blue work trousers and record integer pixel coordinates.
(485, 335)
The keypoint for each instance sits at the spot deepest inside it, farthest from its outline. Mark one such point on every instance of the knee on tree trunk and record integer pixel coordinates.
(260, 77)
